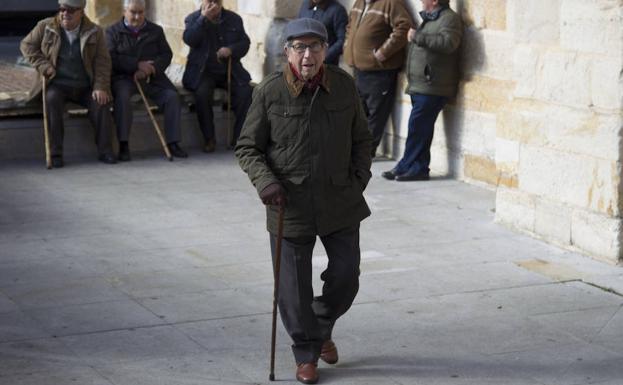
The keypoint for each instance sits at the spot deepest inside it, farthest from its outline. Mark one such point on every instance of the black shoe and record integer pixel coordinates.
(389, 175)
(107, 158)
(412, 178)
(57, 161)
(124, 152)
(176, 151)
(210, 146)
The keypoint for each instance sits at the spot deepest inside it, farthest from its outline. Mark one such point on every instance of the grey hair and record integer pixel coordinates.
(127, 3)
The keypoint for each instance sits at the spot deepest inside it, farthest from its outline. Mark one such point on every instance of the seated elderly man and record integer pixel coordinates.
(215, 36)
(139, 50)
(70, 52)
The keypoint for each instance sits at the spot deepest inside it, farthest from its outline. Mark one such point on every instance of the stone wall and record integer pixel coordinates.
(537, 117)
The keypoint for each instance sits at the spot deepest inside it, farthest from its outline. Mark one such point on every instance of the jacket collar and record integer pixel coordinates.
(434, 15)
(322, 4)
(131, 29)
(296, 85)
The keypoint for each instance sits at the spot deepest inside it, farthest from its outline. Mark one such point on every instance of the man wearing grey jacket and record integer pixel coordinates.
(433, 76)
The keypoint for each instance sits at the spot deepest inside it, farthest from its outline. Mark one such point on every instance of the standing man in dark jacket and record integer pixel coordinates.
(139, 50)
(305, 145)
(333, 15)
(433, 75)
(375, 47)
(216, 35)
(69, 51)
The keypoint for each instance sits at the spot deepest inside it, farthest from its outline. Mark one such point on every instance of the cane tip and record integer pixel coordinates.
(271, 377)
(171, 159)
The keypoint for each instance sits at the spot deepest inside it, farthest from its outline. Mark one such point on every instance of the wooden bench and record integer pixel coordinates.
(21, 128)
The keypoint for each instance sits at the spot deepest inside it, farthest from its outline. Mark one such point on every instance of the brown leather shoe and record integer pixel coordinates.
(328, 353)
(307, 373)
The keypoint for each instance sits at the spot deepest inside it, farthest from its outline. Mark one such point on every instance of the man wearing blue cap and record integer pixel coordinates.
(306, 147)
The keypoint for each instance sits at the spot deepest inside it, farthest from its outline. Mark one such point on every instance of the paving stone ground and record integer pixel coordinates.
(14, 78)
(152, 272)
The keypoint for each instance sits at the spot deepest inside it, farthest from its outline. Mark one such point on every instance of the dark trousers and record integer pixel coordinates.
(204, 96)
(57, 96)
(377, 90)
(309, 320)
(424, 112)
(166, 98)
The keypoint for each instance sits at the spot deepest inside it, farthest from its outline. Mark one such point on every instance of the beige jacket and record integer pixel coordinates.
(383, 27)
(42, 45)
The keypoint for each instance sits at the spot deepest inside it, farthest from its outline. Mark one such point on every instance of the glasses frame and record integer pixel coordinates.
(300, 48)
(69, 10)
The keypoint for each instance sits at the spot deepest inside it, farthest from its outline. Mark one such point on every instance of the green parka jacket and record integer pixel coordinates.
(433, 58)
(42, 45)
(317, 145)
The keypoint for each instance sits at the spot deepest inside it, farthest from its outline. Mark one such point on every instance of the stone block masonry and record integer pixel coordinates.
(537, 116)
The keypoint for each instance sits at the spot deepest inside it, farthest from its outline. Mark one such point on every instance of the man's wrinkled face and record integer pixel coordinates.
(429, 5)
(134, 15)
(307, 55)
(69, 17)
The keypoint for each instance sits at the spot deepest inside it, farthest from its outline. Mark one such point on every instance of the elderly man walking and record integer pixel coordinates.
(375, 47)
(433, 75)
(69, 51)
(305, 146)
(139, 51)
(216, 37)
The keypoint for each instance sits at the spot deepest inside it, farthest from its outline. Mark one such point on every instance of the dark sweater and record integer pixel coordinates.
(70, 70)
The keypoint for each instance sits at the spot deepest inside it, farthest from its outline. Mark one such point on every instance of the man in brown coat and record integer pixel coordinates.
(376, 38)
(70, 51)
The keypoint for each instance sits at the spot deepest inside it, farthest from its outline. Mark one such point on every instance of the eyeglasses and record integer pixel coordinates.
(315, 47)
(68, 10)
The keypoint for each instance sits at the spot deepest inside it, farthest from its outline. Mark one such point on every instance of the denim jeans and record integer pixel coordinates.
(424, 112)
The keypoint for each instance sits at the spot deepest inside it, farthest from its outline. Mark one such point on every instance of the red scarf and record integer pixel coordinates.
(312, 83)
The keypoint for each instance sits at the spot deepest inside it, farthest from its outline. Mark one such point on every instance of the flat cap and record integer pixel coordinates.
(305, 27)
(73, 3)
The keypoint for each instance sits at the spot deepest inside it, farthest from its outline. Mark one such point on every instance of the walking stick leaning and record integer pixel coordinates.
(271, 377)
(153, 120)
(46, 129)
(230, 132)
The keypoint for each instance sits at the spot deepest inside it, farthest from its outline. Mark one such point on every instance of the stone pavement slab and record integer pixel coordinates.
(155, 272)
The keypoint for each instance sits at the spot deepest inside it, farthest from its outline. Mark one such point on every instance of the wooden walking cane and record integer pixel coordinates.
(230, 132)
(271, 377)
(46, 129)
(153, 120)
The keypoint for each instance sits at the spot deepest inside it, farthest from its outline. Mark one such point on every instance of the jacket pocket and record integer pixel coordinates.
(339, 140)
(341, 179)
(296, 179)
(230, 35)
(428, 74)
(286, 123)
